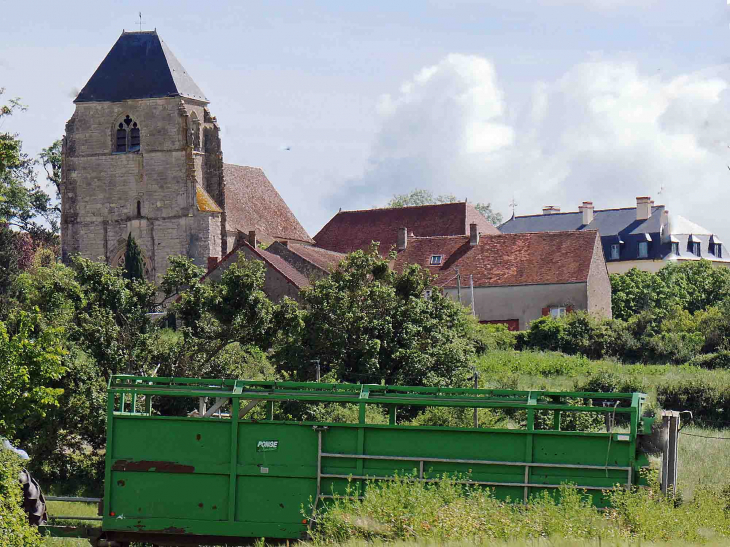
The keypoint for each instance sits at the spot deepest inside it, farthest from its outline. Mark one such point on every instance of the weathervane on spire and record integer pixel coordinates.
(140, 21)
(513, 204)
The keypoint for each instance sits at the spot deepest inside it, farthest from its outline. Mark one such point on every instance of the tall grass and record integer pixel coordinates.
(405, 509)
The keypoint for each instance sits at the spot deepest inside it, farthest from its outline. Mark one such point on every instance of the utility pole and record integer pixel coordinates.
(471, 286)
(458, 285)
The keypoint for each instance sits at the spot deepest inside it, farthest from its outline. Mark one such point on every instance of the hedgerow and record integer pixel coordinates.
(14, 528)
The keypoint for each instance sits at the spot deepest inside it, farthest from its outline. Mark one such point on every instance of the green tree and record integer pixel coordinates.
(367, 324)
(425, 197)
(133, 263)
(637, 291)
(212, 315)
(51, 160)
(697, 285)
(30, 359)
(22, 201)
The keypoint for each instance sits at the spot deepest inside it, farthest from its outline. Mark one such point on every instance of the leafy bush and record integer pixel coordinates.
(14, 528)
(490, 337)
(674, 347)
(720, 359)
(706, 394)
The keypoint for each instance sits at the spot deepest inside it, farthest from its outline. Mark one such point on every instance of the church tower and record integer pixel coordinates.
(142, 155)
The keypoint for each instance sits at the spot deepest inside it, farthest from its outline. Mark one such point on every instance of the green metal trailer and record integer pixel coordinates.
(220, 475)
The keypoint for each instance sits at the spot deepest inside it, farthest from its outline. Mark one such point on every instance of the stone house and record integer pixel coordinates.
(646, 237)
(514, 279)
(290, 267)
(142, 155)
(350, 231)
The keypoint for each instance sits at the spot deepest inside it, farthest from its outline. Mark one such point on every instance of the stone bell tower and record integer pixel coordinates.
(142, 155)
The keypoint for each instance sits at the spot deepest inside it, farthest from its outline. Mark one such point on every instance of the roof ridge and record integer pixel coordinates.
(578, 212)
(400, 208)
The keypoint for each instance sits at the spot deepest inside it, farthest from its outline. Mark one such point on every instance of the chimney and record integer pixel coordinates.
(550, 209)
(212, 262)
(402, 239)
(643, 207)
(473, 234)
(252, 238)
(587, 210)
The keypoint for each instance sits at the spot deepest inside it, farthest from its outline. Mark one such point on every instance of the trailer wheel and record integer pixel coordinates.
(34, 503)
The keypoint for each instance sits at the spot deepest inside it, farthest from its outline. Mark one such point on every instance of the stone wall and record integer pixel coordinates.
(599, 284)
(151, 192)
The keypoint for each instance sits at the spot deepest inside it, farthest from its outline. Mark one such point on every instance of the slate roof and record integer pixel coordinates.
(349, 231)
(619, 226)
(322, 258)
(505, 259)
(252, 203)
(139, 66)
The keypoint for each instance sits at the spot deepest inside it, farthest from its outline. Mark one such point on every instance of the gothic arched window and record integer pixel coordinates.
(128, 136)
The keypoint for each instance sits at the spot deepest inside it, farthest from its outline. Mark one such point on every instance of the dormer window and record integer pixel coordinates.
(716, 246)
(675, 248)
(615, 251)
(128, 137)
(436, 260)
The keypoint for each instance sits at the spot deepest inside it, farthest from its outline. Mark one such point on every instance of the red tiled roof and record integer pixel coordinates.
(505, 259)
(349, 231)
(252, 203)
(272, 260)
(322, 258)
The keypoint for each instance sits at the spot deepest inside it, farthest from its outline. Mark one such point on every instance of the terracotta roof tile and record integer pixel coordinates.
(349, 231)
(505, 259)
(322, 258)
(252, 203)
(271, 260)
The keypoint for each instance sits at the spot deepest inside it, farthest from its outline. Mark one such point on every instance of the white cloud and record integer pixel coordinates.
(603, 131)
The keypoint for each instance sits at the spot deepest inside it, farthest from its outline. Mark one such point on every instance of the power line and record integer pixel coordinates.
(706, 436)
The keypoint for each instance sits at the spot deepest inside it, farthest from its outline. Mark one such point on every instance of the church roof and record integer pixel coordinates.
(252, 203)
(139, 66)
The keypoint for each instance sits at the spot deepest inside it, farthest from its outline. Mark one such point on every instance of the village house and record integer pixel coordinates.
(514, 279)
(646, 237)
(350, 231)
(289, 267)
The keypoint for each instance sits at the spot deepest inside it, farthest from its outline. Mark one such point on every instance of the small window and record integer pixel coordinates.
(139, 208)
(675, 248)
(557, 312)
(643, 249)
(615, 251)
(427, 294)
(718, 250)
(436, 260)
(696, 248)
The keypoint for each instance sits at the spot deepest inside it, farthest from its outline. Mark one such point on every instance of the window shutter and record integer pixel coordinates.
(568, 309)
(545, 311)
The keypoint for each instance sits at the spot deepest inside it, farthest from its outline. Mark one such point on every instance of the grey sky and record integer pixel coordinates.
(552, 101)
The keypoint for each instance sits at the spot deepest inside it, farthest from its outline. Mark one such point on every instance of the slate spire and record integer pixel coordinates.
(139, 66)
